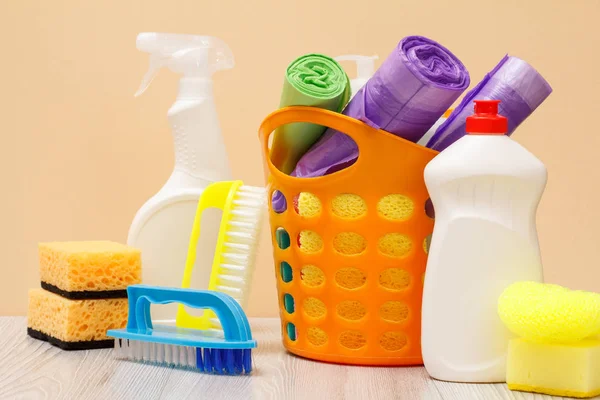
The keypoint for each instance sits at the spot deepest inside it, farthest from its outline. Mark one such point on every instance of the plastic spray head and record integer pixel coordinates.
(189, 55)
(365, 68)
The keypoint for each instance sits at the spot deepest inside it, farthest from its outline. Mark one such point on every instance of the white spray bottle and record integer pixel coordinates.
(365, 68)
(162, 226)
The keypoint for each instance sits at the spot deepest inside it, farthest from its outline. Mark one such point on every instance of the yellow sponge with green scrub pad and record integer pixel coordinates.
(89, 269)
(558, 351)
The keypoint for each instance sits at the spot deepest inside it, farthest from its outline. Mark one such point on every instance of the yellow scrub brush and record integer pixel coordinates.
(235, 254)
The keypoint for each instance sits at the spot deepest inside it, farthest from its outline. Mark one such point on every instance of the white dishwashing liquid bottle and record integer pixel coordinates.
(162, 226)
(365, 68)
(485, 189)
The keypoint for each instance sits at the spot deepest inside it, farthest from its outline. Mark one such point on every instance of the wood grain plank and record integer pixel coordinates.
(390, 383)
(462, 391)
(31, 369)
(459, 391)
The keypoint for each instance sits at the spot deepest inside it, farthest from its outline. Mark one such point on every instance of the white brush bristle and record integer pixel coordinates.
(241, 242)
(221, 361)
(155, 353)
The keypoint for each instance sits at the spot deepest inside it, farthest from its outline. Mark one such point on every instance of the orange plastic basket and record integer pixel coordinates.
(364, 308)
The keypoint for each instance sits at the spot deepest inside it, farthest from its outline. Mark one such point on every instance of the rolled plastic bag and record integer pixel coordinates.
(409, 92)
(518, 86)
(312, 80)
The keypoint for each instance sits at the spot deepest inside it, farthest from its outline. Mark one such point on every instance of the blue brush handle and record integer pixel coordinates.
(231, 315)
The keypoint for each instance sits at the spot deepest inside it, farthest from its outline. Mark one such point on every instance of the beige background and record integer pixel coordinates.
(80, 154)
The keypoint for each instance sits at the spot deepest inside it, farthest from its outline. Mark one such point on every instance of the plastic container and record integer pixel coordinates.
(162, 226)
(485, 189)
(431, 131)
(364, 308)
(365, 68)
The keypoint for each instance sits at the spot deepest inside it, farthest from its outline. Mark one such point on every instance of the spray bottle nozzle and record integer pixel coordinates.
(189, 55)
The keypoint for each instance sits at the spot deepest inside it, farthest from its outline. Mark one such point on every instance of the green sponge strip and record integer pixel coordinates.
(313, 80)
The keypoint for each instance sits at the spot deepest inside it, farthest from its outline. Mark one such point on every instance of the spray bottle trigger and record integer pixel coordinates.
(156, 63)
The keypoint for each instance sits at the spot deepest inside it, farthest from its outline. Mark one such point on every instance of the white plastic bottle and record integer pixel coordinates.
(485, 189)
(423, 141)
(365, 68)
(162, 226)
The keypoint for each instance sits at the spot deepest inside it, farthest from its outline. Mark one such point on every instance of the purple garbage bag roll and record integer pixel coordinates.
(409, 92)
(518, 86)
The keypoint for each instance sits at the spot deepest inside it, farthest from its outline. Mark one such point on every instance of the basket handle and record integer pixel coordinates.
(357, 130)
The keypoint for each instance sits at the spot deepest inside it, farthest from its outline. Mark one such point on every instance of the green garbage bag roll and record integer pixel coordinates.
(313, 80)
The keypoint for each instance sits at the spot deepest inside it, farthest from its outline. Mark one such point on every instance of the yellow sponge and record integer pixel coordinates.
(89, 269)
(349, 243)
(309, 205)
(350, 278)
(549, 313)
(557, 353)
(351, 310)
(74, 324)
(352, 339)
(312, 276)
(395, 245)
(348, 206)
(395, 207)
(316, 336)
(571, 370)
(310, 242)
(394, 279)
(393, 341)
(314, 307)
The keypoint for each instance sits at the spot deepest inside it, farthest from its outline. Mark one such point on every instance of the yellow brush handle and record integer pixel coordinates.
(216, 195)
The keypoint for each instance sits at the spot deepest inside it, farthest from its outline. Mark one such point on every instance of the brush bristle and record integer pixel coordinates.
(216, 361)
(239, 250)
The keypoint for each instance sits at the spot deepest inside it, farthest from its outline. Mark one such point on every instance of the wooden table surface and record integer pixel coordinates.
(31, 369)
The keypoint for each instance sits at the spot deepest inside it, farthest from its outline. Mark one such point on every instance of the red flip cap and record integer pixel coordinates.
(486, 120)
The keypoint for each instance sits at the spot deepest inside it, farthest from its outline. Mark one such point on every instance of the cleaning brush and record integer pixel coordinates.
(243, 209)
(229, 354)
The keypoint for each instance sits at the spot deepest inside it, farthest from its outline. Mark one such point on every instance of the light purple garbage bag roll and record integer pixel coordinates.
(409, 92)
(518, 86)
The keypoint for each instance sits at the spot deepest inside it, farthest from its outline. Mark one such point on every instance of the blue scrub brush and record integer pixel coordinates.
(226, 353)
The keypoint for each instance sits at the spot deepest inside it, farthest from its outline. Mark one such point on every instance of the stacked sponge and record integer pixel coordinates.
(558, 351)
(83, 294)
